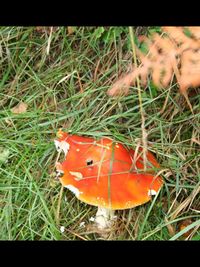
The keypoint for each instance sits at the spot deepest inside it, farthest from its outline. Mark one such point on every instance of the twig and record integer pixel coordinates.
(72, 232)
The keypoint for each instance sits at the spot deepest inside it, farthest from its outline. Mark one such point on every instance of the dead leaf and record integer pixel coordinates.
(19, 108)
(172, 53)
(190, 70)
(184, 224)
(39, 29)
(47, 30)
(70, 30)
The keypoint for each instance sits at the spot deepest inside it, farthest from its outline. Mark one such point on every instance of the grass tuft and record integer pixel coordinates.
(63, 78)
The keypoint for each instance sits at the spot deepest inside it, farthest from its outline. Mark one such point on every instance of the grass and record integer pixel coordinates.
(67, 88)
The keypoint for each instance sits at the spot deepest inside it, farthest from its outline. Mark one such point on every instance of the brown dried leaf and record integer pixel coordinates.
(40, 29)
(19, 108)
(70, 30)
(47, 30)
(184, 224)
(165, 52)
(195, 31)
(122, 85)
(181, 40)
(190, 70)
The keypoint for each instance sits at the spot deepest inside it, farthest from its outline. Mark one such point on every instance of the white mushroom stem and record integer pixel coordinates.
(104, 218)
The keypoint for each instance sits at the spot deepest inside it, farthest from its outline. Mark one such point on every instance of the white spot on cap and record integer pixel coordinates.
(78, 175)
(62, 229)
(74, 190)
(62, 146)
(152, 192)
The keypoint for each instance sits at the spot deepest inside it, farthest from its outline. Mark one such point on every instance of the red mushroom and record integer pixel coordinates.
(100, 173)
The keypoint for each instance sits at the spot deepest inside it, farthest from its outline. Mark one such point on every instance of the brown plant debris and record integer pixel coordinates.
(175, 52)
(19, 108)
(183, 225)
(70, 30)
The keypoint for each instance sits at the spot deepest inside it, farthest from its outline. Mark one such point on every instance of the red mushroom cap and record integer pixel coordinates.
(98, 172)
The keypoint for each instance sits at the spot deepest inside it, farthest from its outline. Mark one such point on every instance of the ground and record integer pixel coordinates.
(63, 75)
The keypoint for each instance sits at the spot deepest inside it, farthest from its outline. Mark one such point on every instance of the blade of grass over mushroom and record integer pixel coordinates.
(110, 173)
(100, 165)
(144, 133)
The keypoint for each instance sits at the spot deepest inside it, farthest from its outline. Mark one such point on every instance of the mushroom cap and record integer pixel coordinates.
(98, 172)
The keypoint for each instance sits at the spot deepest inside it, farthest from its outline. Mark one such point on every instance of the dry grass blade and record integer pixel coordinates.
(170, 227)
(66, 77)
(192, 233)
(59, 204)
(79, 236)
(96, 70)
(49, 41)
(186, 203)
(144, 132)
